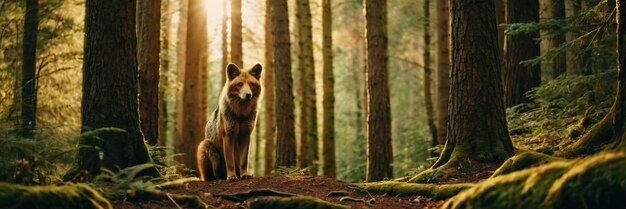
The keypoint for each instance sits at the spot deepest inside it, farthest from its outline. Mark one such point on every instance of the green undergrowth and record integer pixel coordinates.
(594, 182)
(436, 192)
(300, 202)
(55, 197)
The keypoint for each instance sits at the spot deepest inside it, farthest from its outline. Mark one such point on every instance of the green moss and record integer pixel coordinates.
(595, 182)
(433, 191)
(522, 161)
(54, 197)
(299, 202)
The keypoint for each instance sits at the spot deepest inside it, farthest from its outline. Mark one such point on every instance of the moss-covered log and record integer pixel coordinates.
(522, 161)
(51, 197)
(594, 182)
(300, 202)
(433, 191)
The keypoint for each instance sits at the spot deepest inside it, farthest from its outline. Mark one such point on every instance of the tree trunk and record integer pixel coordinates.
(269, 98)
(428, 98)
(574, 66)
(309, 153)
(518, 78)
(195, 88)
(110, 90)
(443, 68)
(236, 51)
(501, 18)
(166, 62)
(379, 155)
(225, 43)
(477, 128)
(148, 31)
(29, 67)
(285, 140)
(554, 9)
(181, 55)
(609, 132)
(328, 134)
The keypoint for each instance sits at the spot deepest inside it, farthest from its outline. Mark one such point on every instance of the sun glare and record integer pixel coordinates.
(215, 10)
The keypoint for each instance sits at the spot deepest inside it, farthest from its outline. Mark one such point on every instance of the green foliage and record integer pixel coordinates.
(292, 171)
(560, 106)
(293, 202)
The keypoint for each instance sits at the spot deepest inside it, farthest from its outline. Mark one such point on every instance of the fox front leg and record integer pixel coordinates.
(243, 154)
(229, 158)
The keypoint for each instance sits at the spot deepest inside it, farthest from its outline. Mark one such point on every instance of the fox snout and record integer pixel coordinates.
(245, 93)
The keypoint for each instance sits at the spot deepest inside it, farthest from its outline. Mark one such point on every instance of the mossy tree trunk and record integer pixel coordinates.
(110, 90)
(379, 150)
(29, 67)
(477, 130)
(283, 88)
(443, 68)
(269, 98)
(148, 45)
(518, 78)
(328, 135)
(309, 150)
(609, 132)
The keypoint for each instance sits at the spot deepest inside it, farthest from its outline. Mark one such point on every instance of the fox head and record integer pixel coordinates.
(243, 85)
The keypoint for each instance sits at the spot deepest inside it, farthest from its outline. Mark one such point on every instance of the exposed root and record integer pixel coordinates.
(300, 202)
(61, 197)
(436, 192)
(594, 182)
(522, 161)
(189, 201)
(243, 196)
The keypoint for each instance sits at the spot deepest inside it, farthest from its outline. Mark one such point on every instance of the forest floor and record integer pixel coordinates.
(314, 186)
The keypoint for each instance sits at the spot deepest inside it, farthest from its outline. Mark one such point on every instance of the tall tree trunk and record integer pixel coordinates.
(148, 31)
(518, 78)
(269, 98)
(225, 43)
(443, 68)
(609, 132)
(285, 136)
(195, 88)
(236, 49)
(328, 131)
(308, 115)
(500, 20)
(257, 147)
(477, 129)
(574, 66)
(181, 55)
(428, 98)
(555, 9)
(110, 91)
(379, 155)
(29, 67)
(166, 64)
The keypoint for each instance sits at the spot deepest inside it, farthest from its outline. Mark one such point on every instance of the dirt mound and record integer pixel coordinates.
(314, 186)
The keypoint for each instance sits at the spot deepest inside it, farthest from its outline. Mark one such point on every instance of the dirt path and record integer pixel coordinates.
(314, 186)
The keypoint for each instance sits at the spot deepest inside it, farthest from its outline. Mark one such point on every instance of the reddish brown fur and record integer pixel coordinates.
(223, 154)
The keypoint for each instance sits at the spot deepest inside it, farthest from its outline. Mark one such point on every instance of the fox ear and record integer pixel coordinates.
(232, 71)
(256, 71)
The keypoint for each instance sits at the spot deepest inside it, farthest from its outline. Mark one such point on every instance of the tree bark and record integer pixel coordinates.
(328, 134)
(428, 98)
(29, 68)
(518, 78)
(269, 98)
(236, 49)
(555, 9)
(501, 18)
(110, 90)
(306, 66)
(148, 31)
(477, 130)
(379, 152)
(195, 88)
(225, 57)
(574, 66)
(285, 140)
(181, 56)
(443, 68)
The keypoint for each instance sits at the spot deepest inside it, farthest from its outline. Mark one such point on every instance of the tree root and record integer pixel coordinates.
(60, 197)
(436, 192)
(594, 182)
(243, 196)
(522, 161)
(189, 201)
(300, 202)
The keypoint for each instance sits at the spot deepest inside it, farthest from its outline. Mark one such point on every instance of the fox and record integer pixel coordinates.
(223, 154)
